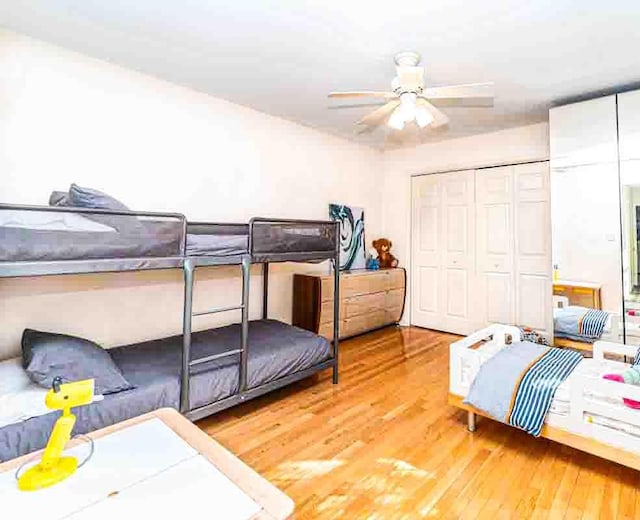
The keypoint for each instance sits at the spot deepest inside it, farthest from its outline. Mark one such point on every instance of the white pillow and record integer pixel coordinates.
(21, 398)
(51, 221)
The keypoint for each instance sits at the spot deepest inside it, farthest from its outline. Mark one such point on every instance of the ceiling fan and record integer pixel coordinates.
(410, 101)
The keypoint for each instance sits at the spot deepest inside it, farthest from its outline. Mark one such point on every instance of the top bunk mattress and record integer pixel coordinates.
(275, 350)
(53, 234)
(43, 235)
(217, 239)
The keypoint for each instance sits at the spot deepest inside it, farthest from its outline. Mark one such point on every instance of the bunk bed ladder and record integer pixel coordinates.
(187, 317)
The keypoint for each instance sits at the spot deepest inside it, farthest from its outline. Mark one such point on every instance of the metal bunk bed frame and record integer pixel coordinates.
(11, 269)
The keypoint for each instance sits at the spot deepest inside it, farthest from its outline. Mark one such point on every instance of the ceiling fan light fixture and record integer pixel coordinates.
(396, 119)
(423, 117)
(410, 100)
(408, 106)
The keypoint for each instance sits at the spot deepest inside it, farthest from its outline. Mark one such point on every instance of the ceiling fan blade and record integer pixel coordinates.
(439, 119)
(377, 116)
(362, 93)
(371, 104)
(410, 78)
(469, 95)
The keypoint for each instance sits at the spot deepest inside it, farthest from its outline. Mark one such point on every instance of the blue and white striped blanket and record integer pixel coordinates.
(593, 323)
(580, 323)
(517, 385)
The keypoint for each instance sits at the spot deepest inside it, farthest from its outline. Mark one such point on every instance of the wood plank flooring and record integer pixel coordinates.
(385, 444)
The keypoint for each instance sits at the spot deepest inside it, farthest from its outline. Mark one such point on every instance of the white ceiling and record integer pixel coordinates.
(283, 57)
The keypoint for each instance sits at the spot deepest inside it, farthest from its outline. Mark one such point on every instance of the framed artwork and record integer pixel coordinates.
(351, 235)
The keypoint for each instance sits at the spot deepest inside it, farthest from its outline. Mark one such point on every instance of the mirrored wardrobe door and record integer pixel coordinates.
(629, 146)
(586, 256)
(586, 224)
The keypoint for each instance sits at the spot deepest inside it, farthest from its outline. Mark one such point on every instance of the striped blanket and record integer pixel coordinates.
(517, 385)
(579, 323)
(593, 323)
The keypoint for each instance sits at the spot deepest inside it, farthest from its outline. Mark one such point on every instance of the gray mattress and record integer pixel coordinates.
(23, 244)
(217, 245)
(275, 350)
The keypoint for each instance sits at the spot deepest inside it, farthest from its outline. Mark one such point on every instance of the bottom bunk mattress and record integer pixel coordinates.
(275, 350)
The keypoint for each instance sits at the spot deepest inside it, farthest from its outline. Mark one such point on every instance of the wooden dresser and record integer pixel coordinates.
(368, 300)
(584, 294)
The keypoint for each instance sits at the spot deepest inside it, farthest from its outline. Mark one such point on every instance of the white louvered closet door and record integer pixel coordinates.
(495, 244)
(534, 305)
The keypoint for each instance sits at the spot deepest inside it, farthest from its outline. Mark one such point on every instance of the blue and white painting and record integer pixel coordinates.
(351, 235)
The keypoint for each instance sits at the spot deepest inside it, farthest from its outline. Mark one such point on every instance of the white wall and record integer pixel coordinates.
(527, 143)
(156, 146)
(585, 221)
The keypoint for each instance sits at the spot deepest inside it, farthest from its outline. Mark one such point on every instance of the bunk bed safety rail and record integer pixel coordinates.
(282, 240)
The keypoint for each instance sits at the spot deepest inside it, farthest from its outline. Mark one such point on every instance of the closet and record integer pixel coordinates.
(481, 249)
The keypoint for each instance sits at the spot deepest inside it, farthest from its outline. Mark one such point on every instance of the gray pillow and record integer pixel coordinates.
(80, 197)
(59, 198)
(46, 355)
(90, 198)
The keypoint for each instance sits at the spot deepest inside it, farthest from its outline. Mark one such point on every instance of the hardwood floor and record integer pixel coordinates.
(385, 444)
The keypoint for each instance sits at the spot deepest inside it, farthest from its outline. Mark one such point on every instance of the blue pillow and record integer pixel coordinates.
(46, 355)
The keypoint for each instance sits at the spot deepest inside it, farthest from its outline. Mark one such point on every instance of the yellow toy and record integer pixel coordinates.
(53, 468)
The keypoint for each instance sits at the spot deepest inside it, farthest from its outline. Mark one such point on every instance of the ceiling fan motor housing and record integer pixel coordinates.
(409, 78)
(398, 88)
(407, 59)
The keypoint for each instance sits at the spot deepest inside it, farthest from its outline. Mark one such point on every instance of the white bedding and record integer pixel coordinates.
(20, 398)
(51, 221)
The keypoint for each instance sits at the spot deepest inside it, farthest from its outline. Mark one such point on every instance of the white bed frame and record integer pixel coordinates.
(468, 354)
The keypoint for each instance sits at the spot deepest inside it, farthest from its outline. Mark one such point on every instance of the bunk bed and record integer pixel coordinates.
(199, 373)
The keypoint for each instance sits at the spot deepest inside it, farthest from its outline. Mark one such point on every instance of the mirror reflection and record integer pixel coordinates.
(586, 255)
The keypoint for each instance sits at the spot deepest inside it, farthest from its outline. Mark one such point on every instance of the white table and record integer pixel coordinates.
(155, 466)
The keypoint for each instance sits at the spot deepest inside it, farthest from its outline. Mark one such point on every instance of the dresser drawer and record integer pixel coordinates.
(364, 304)
(395, 279)
(394, 298)
(326, 288)
(364, 322)
(394, 314)
(364, 284)
(326, 330)
(326, 311)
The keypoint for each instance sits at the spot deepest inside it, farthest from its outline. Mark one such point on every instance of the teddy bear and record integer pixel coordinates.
(383, 247)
